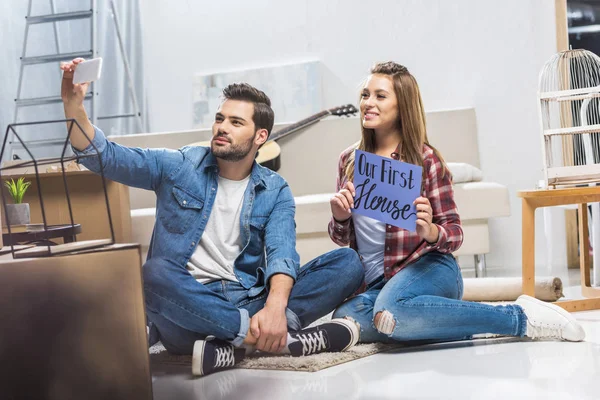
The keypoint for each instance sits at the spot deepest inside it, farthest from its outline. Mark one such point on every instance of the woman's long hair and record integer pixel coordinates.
(411, 121)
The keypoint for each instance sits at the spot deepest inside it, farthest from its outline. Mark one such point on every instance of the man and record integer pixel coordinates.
(222, 276)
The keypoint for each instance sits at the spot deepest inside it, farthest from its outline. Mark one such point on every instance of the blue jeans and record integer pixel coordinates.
(181, 310)
(425, 301)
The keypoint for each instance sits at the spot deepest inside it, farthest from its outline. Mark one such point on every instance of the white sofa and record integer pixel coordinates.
(309, 163)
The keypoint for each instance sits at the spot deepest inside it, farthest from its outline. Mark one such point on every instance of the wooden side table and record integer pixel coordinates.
(531, 200)
(42, 237)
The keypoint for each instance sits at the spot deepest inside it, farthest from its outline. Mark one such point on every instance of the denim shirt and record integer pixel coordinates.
(185, 183)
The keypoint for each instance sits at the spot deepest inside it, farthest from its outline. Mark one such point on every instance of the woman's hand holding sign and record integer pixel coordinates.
(343, 202)
(425, 226)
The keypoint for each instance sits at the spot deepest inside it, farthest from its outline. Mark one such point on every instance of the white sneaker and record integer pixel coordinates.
(549, 321)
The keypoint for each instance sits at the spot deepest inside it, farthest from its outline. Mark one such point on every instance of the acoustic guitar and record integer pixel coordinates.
(269, 155)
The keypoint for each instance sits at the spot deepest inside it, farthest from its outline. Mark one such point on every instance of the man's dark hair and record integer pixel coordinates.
(263, 117)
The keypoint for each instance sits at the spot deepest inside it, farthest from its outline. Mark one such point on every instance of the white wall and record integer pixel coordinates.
(485, 54)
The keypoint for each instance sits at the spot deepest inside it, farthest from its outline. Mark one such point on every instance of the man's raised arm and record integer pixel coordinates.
(73, 96)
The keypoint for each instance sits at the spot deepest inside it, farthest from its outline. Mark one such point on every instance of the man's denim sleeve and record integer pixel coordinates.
(137, 167)
(280, 237)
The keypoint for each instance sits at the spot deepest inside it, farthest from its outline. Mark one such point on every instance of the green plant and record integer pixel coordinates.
(17, 189)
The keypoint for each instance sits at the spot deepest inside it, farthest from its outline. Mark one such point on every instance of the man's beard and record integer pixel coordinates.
(233, 152)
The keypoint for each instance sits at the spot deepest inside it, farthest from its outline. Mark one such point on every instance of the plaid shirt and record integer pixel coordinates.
(401, 246)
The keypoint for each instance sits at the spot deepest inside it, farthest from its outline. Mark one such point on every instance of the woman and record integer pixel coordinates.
(413, 285)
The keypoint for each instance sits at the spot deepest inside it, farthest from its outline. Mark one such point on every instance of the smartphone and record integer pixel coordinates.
(88, 71)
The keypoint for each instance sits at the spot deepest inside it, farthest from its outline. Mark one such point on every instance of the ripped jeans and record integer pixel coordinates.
(422, 302)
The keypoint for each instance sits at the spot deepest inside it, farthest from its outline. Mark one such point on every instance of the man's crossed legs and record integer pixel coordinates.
(183, 313)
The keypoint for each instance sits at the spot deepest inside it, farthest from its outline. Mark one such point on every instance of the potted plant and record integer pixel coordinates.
(17, 213)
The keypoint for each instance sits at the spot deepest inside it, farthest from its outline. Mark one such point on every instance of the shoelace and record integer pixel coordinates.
(546, 331)
(312, 342)
(224, 357)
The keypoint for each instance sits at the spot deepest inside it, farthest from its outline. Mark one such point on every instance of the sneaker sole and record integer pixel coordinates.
(351, 325)
(559, 310)
(197, 357)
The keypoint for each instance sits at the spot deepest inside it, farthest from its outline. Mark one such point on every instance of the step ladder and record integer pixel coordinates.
(53, 18)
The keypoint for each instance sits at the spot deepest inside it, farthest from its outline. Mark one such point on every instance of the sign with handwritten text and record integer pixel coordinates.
(386, 189)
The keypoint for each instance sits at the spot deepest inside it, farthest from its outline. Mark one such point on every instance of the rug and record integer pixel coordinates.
(159, 355)
(317, 362)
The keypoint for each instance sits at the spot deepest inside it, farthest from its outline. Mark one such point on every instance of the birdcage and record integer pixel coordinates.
(569, 95)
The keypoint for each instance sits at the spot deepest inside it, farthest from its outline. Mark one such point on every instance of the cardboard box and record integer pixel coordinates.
(73, 326)
(88, 203)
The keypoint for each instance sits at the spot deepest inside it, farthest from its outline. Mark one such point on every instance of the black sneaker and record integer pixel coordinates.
(153, 336)
(213, 355)
(339, 334)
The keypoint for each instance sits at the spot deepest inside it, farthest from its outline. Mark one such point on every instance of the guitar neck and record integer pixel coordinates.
(299, 125)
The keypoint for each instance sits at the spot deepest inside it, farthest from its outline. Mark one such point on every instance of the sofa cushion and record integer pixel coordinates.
(463, 172)
(313, 213)
(142, 225)
(481, 200)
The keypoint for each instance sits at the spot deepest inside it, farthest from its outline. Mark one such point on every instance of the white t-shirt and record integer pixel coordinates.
(221, 242)
(370, 239)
